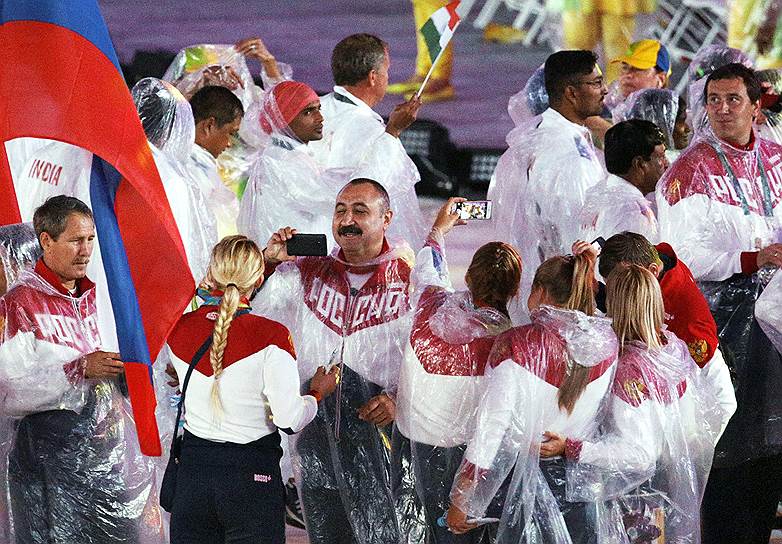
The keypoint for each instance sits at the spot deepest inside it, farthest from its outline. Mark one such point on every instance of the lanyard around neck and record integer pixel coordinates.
(768, 210)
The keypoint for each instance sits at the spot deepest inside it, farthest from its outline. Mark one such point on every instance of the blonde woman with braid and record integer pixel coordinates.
(551, 374)
(243, 388)
(646, 473)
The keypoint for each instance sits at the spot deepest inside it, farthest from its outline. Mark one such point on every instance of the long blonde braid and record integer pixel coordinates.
(235, 268)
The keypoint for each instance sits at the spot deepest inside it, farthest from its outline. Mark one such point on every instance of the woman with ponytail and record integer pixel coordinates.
(551, 374)
(243, 388)
(442, 376)
(647, 471)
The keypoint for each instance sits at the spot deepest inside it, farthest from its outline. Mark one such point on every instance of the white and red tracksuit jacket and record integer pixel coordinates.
(45, 333)
(701, 214)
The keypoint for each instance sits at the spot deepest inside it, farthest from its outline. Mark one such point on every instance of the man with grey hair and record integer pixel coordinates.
(355, 136)
(67, 474)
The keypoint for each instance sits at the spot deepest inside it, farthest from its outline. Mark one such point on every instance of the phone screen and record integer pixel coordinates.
(473, 209)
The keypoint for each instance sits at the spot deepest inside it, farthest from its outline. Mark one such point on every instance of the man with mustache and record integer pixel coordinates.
(347, 309)
(287, 186)
(65, 471)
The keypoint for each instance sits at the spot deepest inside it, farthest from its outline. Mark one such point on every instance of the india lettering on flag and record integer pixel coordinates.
(439, 28)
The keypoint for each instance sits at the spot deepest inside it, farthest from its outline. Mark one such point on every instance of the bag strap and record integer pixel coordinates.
(193, 362)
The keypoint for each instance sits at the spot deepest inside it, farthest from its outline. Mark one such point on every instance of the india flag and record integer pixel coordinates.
(439, 28)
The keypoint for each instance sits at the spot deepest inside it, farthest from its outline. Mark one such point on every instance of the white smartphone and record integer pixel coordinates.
(473, 209)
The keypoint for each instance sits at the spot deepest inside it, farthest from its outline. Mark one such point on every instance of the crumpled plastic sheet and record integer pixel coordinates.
(440, 385)
(517, 407)
(755, 368)
(707, 60)
(19, 249)
(168, 123)
(343, 473)
(647, 470)
(768, 309)
(70, 455)
(659, 106)
(531, 101)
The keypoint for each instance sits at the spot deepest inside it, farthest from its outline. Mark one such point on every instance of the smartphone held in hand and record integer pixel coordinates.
(473, 209)
(307, 245)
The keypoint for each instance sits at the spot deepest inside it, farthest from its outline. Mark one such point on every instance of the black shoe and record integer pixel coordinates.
(293, 513)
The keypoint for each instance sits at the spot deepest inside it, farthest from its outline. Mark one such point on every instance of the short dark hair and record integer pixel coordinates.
(52, 216)
(626, 247)
(736, 70)
(630, 139)
(378, 188)
(355, 56)
(218, 102)
(563, 67)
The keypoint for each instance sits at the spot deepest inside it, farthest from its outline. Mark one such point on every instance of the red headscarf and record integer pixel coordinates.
(285, 101)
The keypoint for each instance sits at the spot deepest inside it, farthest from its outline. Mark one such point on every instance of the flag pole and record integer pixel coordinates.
(440, 54)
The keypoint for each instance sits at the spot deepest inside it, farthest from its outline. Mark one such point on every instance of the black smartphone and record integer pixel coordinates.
(307, 245)
(598, 243)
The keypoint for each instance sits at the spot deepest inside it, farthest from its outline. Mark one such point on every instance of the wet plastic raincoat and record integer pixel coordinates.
(441, 382)
(70, 452)
(343, 462)
(647, 470)
(717, 205)
(527, 367)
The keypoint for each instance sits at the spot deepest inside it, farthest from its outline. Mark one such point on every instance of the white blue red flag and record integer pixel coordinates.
(60, 80)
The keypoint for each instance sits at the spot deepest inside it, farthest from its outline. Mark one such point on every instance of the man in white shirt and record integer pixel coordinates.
(635, 160)
(539, 185)
(355, 136)
(218, 114)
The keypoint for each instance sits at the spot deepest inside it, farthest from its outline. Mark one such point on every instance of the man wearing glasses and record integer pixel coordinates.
(540, 181)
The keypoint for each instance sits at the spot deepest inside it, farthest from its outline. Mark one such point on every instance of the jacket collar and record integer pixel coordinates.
(82, 284)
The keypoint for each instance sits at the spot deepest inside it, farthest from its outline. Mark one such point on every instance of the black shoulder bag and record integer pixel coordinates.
(168, 486)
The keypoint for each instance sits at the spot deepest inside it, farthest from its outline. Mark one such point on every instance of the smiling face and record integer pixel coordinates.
(360, 221)
(730, 110)
(308, 124)
(68, 255)
(589, 92)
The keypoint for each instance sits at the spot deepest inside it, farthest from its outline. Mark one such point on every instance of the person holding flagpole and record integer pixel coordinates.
(355, 137)
(435, 21)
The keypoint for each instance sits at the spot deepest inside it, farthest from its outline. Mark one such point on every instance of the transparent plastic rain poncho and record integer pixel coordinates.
(287, 187)
(715, 224)
(768, 310)
(19, 250)
(647, 471)
(614, 205)
(502, 464)
(707, 60)
(531, 101)
(341, 462)
(71, 461)
(659, 106)
(538, 189)
(216, 64)
(354, 138)
(168, 122)
(440, 385)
